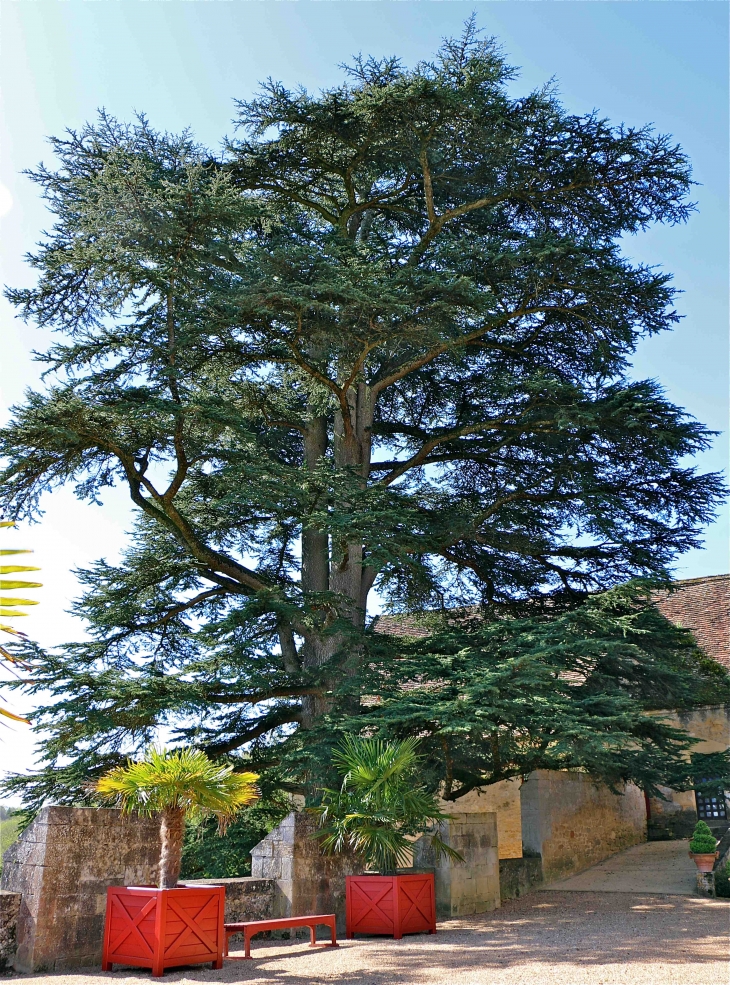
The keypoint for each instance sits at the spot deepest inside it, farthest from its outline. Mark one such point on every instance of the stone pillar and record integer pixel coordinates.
(61, 865)
(307, 881)
(472, 886)
(706, 884)
(534, 825)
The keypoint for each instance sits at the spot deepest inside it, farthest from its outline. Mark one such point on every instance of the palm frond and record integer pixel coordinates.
(179, 779)
(380, 803)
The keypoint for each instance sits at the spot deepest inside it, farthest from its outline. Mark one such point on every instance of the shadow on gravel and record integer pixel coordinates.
(547, 928)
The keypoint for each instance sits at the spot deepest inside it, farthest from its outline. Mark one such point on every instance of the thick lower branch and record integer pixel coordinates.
(263, 725)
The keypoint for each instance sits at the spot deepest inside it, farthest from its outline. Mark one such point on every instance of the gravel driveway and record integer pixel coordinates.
(547, 938)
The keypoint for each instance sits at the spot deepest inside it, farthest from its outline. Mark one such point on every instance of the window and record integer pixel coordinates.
(711, 804)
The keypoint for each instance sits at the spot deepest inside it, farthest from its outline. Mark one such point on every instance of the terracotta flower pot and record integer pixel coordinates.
(705, 861)
(390, 905)
(155, 928)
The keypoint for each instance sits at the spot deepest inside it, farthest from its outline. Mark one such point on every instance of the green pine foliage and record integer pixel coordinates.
(581, 690)
(208, 854)
(380, 342)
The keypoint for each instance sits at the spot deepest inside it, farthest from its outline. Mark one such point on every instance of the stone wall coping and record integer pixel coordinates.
(248, 881)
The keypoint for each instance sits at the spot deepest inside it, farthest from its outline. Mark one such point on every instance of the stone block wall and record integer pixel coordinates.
(573, 822)
(9, 908)
(676, 815)
(673, 817)
(472, 886)
(519, 876)
(246, 898)
(307, 881)
(711, 725)
(503, 798)
(61, 866)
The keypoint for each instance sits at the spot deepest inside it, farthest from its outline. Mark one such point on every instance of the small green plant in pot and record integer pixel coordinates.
(380, 804)
(172, 785)
(702, 847)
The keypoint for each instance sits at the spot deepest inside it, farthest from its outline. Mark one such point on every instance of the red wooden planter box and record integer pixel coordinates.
(163, 928)
(392, 905)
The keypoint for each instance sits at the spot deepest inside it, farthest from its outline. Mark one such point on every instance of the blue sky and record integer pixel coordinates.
(182, 62)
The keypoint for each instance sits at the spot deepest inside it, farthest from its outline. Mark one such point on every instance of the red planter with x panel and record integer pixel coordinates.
(391, 905)
(164, 928)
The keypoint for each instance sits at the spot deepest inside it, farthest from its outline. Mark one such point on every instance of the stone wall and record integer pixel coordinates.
(711, 725)
(246, 898)
(61, 865)
(519, 876)
(9, 908)
(672, 817)
(470, 887)
(307, 881)
(573, 822)
(504, 799)
(676, 815)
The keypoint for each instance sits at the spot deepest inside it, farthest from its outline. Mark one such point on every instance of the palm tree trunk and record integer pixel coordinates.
(172, 831)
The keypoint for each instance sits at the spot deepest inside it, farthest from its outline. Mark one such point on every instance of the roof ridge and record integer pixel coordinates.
(689, 581)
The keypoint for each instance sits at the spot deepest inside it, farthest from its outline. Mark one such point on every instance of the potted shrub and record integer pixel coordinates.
(702, 847)
(170, 925)
(378, 805)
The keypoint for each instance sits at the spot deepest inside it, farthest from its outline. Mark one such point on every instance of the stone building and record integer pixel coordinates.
(572, 822)
(701, 605)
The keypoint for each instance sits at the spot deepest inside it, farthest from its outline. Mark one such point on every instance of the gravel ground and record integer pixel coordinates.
(547, 938)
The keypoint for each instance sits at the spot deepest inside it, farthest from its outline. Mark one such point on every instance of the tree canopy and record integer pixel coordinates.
(382, 341)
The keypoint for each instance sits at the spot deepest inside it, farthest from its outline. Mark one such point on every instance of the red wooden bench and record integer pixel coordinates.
(250, 927)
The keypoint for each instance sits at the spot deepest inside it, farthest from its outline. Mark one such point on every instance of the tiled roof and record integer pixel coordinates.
(699, 604)
(702, 605)
(406, 625)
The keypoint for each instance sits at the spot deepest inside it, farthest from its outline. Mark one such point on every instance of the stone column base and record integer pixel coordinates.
(706, 883)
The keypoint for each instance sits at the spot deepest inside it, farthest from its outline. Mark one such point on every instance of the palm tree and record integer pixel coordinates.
(177, 784)
(379, 804)
(11, 607)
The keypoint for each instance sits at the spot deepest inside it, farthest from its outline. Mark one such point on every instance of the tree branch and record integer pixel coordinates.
(267, 723)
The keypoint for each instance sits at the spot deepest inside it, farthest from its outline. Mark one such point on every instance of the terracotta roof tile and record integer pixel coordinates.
(702, 605)
(406, 625)
(699, 604)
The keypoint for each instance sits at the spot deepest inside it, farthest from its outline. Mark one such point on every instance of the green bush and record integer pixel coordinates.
(208, 856)
(8, 831)
(722, 881)
(703, 841)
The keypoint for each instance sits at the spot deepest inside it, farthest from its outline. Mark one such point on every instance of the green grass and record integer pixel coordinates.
(8, 834)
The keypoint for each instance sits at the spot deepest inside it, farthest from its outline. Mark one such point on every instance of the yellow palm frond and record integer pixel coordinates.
(16, 718)
(12, 631)
(11, 607)
(182, 779)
